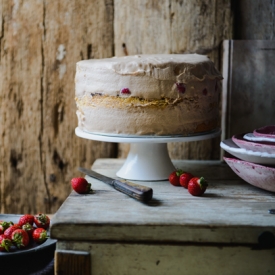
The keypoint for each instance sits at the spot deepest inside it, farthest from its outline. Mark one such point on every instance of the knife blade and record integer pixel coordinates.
(137, 191)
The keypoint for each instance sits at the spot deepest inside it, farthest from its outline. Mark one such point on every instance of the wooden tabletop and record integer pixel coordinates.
(231, 210)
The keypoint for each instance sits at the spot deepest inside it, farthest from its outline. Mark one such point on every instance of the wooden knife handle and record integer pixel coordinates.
(139, 192)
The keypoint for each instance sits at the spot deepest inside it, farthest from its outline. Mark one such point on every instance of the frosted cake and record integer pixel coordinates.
(175, 94)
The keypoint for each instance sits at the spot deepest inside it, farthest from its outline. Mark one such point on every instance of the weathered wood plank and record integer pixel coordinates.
(21, 63)
(65, 46)
(147, 27)
(254, 20)
(72, 262)
(174, 259)
(222, 227)
(40, 45)
(231, 211)
(248, 99)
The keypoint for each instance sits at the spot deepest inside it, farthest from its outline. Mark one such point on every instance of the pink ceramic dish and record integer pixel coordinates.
(258, 175)
(252, 137)
(262, 158)
(266, 131)
(267, 147)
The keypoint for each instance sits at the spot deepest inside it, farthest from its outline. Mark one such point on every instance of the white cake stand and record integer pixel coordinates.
(148, 158)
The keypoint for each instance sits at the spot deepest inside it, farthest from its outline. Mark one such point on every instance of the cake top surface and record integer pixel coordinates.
(149, 76)
(142, 64)
(154, 59)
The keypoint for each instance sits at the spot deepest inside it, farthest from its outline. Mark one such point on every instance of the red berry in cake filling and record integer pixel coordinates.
(205, 91)
(181, 87)
(125, 91)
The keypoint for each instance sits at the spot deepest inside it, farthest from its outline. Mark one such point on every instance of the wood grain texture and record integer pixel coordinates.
(163, 259)
(41, 41)
(255, 20)
(72, 262)
(172, 26)
(248, 99)
(231, 211)
(170, 234)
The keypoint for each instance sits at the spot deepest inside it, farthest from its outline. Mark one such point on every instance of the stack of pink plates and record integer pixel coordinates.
(254, 155)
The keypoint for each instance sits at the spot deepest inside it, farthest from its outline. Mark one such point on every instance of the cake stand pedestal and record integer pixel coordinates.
(148, 158)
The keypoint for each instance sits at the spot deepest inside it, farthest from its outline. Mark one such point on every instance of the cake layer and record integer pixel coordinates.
(134, 116)
(145, 76)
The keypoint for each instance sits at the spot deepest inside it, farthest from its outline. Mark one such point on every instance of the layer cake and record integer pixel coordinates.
(162, 95)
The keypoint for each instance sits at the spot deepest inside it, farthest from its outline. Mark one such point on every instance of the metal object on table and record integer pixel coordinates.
(137, 191)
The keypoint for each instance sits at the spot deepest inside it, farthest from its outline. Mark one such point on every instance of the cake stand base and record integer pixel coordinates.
(148, 158)
(147, 162)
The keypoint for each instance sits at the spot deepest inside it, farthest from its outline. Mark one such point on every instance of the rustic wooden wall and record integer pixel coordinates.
(255, 19)
(40, 43)
(41, 40)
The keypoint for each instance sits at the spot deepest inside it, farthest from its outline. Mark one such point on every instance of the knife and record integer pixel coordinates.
(137, 191)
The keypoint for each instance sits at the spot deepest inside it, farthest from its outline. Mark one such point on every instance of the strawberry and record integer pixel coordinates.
(39, 235)
(81, 185)
(20, 238)
(8, 232)
(27, 218)
(42, 220)
(5, 243)
(28, 228)
(181, 87)
(185, 177)
(197, 186)
(4, 225)
(174, 177)
(125, 91)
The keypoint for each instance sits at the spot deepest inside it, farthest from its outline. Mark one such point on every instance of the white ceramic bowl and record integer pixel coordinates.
(247, 155)
(252, 137)
(263, 147)
(258, 175)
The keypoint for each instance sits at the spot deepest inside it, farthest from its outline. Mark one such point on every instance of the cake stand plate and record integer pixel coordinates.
(148, 158)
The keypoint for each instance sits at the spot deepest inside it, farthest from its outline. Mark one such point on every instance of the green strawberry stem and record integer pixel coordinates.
(203, 182)
(43, 236)
(18, 240)
(89, 189)
(6, 244)
(179, 172)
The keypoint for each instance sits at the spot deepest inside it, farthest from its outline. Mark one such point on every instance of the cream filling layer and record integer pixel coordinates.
(165, 117)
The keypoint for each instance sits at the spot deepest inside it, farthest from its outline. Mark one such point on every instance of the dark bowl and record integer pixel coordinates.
(26, 261)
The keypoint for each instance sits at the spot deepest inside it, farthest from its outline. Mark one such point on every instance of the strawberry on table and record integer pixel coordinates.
(5, 243)
(174, 177)
(27, 218)
(42, 220)
(39, 235)
(197, 186)
(185, 177)
(81, 185)
(20, 238)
